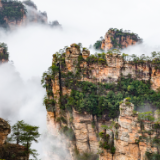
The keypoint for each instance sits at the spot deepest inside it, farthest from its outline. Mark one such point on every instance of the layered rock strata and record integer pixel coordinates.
(86, 132)
(4, 130)
(116, 66)
(127, 135)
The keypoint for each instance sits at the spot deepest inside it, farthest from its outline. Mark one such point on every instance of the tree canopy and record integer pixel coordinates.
(25, 134)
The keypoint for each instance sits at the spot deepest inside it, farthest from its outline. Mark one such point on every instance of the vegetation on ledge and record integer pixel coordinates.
(12, 10)
(98, 44)
(149, 130)
(99, 98)
(118, 34)
(23, 135)
(5, 53)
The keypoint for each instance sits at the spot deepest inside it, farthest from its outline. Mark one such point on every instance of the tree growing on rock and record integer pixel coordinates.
(25, 134)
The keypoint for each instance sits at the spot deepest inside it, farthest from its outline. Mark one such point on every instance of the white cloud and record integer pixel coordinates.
(31, 47)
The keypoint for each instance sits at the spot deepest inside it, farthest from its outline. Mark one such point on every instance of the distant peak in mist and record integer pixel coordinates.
(16, 13)
(117, 39)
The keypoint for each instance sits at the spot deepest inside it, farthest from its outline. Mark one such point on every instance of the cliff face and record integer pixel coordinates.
(12, 13)
(121, 140)
(127, 136)
(118, 39)
(113, 70)
(21, 14)
(4, 130)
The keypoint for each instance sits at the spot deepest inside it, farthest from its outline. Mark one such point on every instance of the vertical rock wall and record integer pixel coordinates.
(4, 130)
(127, 135)
(86, 133)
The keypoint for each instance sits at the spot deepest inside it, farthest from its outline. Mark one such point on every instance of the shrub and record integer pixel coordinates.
(113, 150)
(101, 134)
(116, 125)
(128, 99)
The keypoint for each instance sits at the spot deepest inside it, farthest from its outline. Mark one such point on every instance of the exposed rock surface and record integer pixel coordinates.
(128, 132)
(122, 40)
(113, 70)
(86, 133)
(4, 130)
(125, 135)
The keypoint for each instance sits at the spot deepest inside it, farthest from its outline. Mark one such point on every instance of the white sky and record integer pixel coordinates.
(139, 16)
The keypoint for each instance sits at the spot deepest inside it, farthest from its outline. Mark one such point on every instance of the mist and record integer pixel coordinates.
(31, 49)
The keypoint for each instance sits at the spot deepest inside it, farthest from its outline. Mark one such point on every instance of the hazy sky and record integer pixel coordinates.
(31, 48)
(139, 16)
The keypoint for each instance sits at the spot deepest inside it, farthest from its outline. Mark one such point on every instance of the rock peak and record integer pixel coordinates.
(115, 38)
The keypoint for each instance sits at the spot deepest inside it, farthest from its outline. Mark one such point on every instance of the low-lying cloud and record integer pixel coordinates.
(31, 49)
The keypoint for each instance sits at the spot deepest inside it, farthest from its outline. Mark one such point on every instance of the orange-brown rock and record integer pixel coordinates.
(113, 70)
(126, 136)
(86, 139)
(155, 79)
(123, 40)
(4, 130)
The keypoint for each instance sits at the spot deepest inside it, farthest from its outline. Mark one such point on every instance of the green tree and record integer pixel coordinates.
(17, 130)
(25, 134)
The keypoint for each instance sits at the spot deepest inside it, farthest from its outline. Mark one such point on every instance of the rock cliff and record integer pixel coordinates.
(82, 109)
(130, 141)
(115, 38)
(4, 130)
(21, 14)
